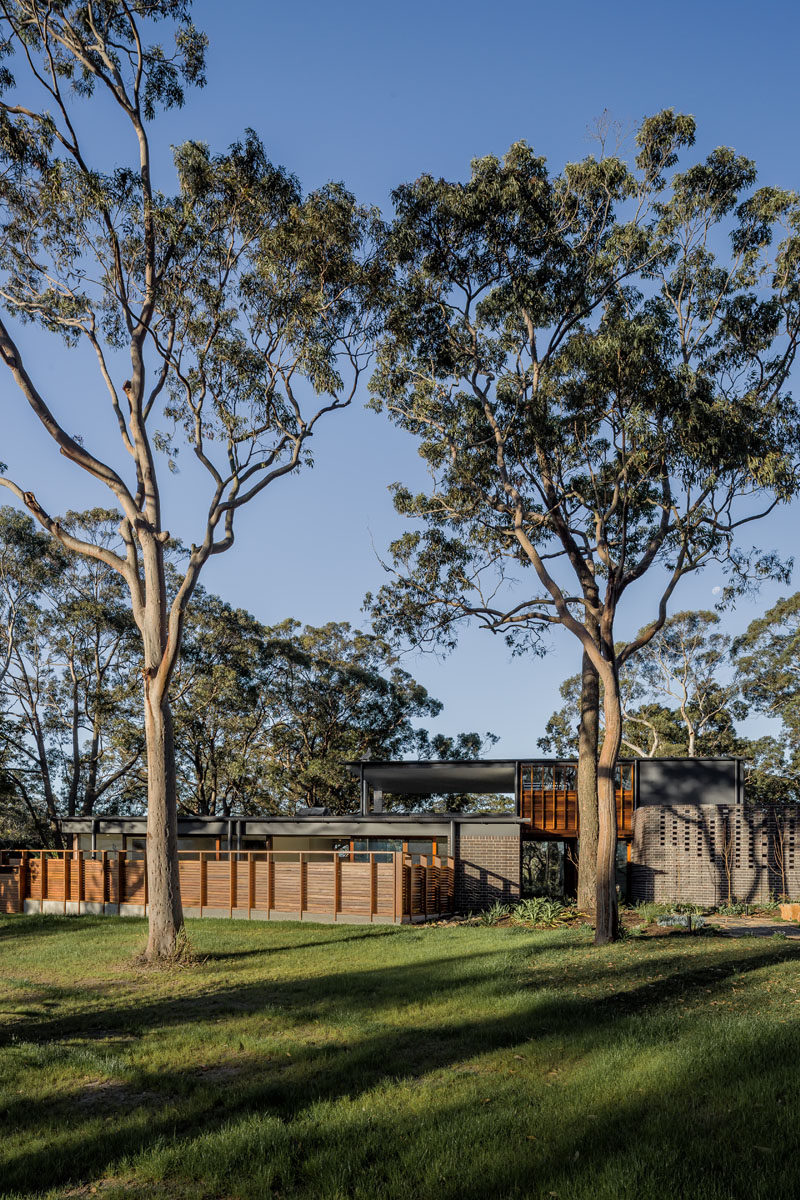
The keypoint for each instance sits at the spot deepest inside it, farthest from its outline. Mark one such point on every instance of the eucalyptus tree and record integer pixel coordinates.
(29, 562)
(93, 647)
(69, 735)
(222, 710)
(227, 316)
(339, 694)
(267, 716)
(678, 695)
(595, 365)
(768, 664)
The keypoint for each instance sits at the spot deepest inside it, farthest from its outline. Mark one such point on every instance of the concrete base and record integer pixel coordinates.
(93, 908)
(73, 908)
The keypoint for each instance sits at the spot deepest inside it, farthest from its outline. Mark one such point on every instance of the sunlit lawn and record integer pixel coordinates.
(320, 1061)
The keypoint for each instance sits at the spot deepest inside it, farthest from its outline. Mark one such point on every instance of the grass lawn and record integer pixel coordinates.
(346, 1061)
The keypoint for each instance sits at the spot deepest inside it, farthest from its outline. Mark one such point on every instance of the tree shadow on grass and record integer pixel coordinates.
(176, 1107)
(34, 925)
(267, 952)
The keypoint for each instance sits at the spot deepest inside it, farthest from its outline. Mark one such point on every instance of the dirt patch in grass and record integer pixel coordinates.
(95, 1093)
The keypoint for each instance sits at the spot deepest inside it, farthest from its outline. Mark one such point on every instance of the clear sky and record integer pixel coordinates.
(374, 94)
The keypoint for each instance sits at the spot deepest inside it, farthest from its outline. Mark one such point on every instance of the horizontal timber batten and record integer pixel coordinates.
(308, 885)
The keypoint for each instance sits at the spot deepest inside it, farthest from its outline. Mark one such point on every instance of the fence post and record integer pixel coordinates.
(302, 888)
(251, 883)
(103, 879)
(120, 877)
(232, 883)
(42, 880)
(270, 884)
(398, 885)
(67, 876)
(22, 880)
(81, 881)
(337, 884)
(203, 881)
(373, 901)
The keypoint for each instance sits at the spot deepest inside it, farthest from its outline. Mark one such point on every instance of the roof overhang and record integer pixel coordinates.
(435, 776)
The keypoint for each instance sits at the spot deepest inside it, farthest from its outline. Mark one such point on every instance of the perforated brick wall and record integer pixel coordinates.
(708, 854)
(487, 870)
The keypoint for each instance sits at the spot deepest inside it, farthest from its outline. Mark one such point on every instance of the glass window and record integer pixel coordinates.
(543, 869)
(382, 848)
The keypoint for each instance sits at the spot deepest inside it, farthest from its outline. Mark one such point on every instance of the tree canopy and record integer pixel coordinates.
(595, 364)
(226, 315)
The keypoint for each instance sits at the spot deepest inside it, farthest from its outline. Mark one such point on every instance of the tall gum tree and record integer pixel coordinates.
(229, 317)
(595, 366)
(678, 695)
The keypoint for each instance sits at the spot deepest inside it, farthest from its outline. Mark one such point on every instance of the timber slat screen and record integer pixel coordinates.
(261, 884)
(549, 799)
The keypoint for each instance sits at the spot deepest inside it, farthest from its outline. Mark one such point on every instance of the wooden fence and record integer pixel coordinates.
(310, 885)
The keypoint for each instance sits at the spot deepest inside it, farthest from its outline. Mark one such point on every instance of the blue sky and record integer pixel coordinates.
(374, 94)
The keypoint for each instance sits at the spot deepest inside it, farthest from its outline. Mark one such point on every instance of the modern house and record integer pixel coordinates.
(684, 833)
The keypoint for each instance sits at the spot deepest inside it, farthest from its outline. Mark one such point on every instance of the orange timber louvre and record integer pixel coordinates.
(549, 799)
(301, 885)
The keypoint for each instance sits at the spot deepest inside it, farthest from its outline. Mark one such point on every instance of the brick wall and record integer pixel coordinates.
(487, 869)
(703, 853)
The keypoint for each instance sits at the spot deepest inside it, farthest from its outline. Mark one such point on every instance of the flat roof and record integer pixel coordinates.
(420, 777)
(339, 825)
(417, 777)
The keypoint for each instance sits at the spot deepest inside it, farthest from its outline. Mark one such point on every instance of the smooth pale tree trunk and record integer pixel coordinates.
(163, 880)
(606, 913)
(588, 738)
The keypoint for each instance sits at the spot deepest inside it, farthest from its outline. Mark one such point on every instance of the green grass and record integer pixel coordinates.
(353, 1062)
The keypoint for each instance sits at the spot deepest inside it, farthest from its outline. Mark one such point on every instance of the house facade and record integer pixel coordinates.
(685, 834)
(663, 808)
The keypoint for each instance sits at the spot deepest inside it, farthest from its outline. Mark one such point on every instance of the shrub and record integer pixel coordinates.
(495, 914)
(736, 909)
(648, 910)
(538, 910)
(682, 920)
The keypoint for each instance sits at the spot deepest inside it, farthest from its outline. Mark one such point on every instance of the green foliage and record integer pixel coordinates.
(539, 910)
(266, 717)
(496, 913)
(595, 366)
(768, 662)
(69, 691)
(542, 868)
(648, 910)
(737, 909)
(544, 378)
(682, 920)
